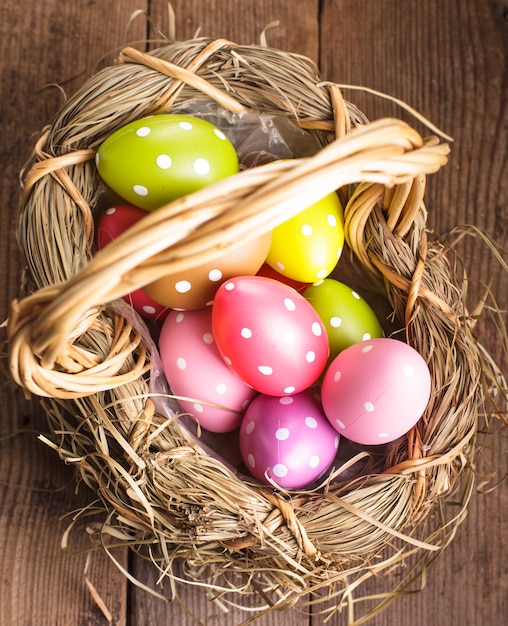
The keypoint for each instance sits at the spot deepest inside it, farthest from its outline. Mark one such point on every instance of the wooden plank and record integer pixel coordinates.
(448, 60)
(43, 44)
(419, 51)
(292, 26)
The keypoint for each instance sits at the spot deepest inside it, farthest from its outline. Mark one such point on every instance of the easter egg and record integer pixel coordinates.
(195, 370)
(287, 440)
(196, 287)
(146, 306)
(154, 160)
(112, 223)
(375, 391)
(307, 247)
(347, 317)
(268, 271)
(269, 334)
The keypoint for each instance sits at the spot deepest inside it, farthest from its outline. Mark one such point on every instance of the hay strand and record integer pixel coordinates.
(162, 489)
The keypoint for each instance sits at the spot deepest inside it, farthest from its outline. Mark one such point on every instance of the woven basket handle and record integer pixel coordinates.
(43, 327)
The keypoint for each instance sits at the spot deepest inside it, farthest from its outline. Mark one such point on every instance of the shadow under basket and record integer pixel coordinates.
(72, 340)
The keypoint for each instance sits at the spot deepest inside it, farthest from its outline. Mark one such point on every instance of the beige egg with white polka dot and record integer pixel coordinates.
(195, 288)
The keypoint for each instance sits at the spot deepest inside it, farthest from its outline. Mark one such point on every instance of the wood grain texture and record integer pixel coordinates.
(448, 59)
(292, 26)
(43, 44)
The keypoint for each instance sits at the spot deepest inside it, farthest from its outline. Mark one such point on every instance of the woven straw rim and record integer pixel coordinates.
(160, 490)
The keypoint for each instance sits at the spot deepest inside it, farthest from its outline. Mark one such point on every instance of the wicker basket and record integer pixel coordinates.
(71, 342)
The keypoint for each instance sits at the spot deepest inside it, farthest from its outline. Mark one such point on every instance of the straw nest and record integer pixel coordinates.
(161, 490)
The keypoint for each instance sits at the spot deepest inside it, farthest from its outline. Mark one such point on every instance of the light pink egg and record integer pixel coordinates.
(195, 369)
(111, 224)
(269, 335)
(376, 390)
(287, 440)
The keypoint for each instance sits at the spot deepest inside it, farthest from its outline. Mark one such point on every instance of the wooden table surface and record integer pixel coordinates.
(447, 58)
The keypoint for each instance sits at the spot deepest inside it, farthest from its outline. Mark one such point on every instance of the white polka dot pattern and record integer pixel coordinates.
(347, 317)
(140, 190)
(279, 349)
(289, 304)
(307, 246)
(195, 370)
(375, 391)
(196, 287)
(163, 161)
(215, 275)
(288, 438)
(280, 470)
(160, 158)
(182, 286)
(286, 400)
(201, 167)
(282, 434)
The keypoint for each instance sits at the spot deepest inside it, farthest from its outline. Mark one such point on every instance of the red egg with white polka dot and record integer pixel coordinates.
(287, 440)
(112, 223)
(269, 335)
(376, 390)
(217, 397)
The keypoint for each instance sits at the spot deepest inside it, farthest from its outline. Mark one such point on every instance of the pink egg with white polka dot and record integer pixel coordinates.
(376, 390)
(217, 397)
(269, 335)
(287, 440)
(110, 225)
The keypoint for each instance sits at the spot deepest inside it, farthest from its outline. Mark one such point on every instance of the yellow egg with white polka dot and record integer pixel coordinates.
(195, 288)
(308, 246)
(154, 160)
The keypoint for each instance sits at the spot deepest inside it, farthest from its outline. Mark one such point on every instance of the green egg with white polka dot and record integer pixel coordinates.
(157, 159)
(347, 317)
(308, 246)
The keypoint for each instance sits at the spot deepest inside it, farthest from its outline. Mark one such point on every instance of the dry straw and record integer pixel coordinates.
(160, 491)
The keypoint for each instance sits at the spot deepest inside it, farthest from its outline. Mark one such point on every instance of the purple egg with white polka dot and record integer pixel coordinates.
(376, 390)
(287, 440)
